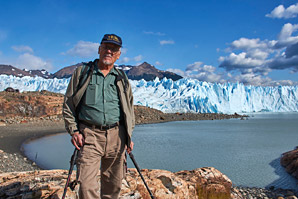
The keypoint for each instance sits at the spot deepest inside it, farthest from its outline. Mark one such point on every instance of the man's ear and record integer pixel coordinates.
(118, 56)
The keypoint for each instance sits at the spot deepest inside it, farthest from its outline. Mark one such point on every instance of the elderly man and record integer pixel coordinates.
(99, 115)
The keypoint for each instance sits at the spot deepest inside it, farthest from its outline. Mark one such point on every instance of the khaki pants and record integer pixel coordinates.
(108, 149)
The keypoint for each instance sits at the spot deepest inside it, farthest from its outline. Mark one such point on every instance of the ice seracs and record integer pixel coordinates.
(185, 95)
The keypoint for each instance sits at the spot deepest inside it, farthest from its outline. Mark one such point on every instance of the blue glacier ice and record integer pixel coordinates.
(185, 95)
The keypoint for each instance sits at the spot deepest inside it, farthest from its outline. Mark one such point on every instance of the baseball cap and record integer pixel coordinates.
(112, 38)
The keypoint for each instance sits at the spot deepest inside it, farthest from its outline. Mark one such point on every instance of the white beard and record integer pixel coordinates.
(107, 62)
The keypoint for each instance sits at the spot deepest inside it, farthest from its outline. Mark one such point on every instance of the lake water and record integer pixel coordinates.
(247, 151)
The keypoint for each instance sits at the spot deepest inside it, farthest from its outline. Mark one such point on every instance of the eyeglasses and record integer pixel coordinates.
(111, 48)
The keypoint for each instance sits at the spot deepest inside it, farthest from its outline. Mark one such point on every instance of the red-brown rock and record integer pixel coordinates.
(206, 183)
(290, 161)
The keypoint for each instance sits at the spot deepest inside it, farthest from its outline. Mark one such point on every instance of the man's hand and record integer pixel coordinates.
(77, 140)
(129, 149)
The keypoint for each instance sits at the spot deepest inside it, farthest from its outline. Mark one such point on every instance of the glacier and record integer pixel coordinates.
(185, 95)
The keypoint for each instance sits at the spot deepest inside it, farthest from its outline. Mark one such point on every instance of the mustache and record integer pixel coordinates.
(107, 55)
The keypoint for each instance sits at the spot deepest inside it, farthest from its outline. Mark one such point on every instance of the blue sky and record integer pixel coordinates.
(249, 41)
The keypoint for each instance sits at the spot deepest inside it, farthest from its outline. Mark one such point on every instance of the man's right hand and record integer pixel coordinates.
(77, 140)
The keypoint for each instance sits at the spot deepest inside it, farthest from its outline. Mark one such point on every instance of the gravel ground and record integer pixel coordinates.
(262, 193)
(12, 137)
(15, 162)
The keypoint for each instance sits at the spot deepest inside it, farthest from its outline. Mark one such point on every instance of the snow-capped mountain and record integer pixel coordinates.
(184, 95)
(143, 71)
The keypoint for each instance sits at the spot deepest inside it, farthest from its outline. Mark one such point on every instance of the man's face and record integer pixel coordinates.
(109, 53)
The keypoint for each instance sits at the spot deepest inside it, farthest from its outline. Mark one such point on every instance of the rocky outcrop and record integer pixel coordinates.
(208, 183)
(30, 104)
(202, 183)
(39, 106)
(290, 161)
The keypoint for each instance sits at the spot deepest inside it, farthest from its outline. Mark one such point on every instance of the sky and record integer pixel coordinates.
(254, 42)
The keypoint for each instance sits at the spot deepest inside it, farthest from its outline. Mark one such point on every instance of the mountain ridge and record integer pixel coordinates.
(144, 71)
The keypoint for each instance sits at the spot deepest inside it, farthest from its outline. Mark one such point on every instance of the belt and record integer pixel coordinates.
(101, 127)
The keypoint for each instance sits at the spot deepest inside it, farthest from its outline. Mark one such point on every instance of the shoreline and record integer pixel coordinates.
(13, 136)
(15, 131)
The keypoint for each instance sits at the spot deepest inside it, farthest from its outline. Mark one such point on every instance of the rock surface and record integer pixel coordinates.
(202, 183)
(290, 161)
(30, 104)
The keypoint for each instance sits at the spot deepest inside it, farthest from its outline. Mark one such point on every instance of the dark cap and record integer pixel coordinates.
(112, 38)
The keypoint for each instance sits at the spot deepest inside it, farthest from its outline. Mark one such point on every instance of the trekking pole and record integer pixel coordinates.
(72, 163)
(138, 169)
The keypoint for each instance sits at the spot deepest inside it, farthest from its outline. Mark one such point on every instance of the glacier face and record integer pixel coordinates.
(185, 95)
(189, 95)
(33, 83)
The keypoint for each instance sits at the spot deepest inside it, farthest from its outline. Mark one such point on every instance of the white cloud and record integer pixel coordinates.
(154, 33)
(22, 48)
(124, 60)
(259, 57)
(258, 54)
(252, 79)
(283, 83)
(30, 61)
(84, 49)
(244, 43)
(127, 59)
(285, 37)
(177, 71)
(124, 50)
(138, 58)
(201, 72)
(164, 42)
(282, 12)
(259, 80)
(208, 73)
(157, 63)
(283, 62)
(238, 61)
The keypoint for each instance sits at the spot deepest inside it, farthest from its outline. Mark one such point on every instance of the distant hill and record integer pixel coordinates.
(144, 71)
(41, 73)
(148, 72)
(11, 70)
(66, 72)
